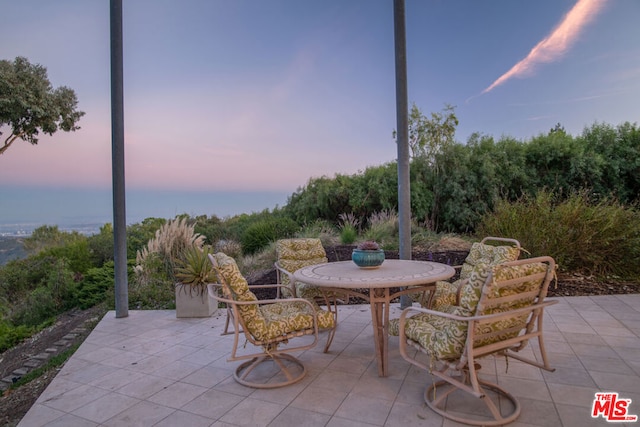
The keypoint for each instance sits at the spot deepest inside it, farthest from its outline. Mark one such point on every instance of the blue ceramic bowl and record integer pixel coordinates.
(368, 258)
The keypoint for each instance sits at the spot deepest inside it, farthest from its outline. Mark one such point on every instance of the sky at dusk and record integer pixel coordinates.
(261, 96)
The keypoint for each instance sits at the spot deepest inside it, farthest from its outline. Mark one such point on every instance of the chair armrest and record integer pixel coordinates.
(281, 270)
(437, 313)
(212, 287)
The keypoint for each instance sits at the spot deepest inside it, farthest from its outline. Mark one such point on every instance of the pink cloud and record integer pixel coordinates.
(557, 43)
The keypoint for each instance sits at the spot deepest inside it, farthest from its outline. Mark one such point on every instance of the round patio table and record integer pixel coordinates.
(345, 276)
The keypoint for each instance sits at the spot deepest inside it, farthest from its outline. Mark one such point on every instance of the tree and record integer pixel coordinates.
(427, 137)
(29, 104)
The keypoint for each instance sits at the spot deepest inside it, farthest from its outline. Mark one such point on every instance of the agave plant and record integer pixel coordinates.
(194, 270)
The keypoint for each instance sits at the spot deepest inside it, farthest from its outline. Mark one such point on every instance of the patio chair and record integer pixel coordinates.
(448, 293)
(267, 324)
(293, 254)
(501, 309)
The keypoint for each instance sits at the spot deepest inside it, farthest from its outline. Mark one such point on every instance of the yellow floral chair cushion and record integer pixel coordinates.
(294, 254)
(267, 321)
(528, 289)
(445, 338)
(447, 293)
(471, 291)
(481, 253)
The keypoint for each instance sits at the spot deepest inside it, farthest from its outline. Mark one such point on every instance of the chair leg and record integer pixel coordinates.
(227, 321)
(332, 307)
(436, 395)
(288, 365)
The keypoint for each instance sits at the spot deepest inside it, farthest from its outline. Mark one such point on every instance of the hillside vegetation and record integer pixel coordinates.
(574, 198)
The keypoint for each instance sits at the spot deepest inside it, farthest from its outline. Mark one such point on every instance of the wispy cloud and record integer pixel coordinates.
(557, 43)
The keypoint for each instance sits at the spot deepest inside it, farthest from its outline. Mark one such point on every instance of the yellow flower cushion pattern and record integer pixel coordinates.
(288, 316)
(237, 289)
(267, 321)
(445, 338)
(487, 254)
(446, 294)
(294, 254)
(471, 291)
(501, 274)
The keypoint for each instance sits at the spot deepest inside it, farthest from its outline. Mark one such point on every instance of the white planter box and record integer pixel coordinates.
(192, 304)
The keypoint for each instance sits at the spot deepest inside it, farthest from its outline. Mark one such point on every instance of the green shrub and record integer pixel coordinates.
(320, 229)
(101, 246)
(348, 235)
(96, 287)
(48, 236)
(76, 253)
(258, 236)
(383, 228)
(156, 293)
(38, 307)
(229, 247)
(601, 238)
(12, 335)
(138, 235)
(167, 248)
(348, 226)
(50, 295)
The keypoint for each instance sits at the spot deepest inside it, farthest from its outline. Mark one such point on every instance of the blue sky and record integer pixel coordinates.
(263, 95)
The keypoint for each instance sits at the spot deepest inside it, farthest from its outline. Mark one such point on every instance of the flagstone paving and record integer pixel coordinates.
(152, 369)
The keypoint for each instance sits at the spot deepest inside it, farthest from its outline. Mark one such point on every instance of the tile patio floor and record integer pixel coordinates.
(151, 369)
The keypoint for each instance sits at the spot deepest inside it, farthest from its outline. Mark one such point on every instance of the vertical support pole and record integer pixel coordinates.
(402, 115)
(117, 162)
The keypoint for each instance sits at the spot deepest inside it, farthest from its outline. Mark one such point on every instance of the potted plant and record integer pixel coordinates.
(368, 255)
(193, 272)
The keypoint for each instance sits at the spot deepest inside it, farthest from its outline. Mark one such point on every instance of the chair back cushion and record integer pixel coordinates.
(471, 288)
(481, 253)
(511, 287)
(268, 321)
(235, 287)
(490, 289)
(294, 254)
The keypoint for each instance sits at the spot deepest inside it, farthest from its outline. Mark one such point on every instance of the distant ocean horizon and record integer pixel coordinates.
(23, 209)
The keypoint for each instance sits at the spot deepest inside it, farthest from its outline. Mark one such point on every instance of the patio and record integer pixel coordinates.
(151, 369)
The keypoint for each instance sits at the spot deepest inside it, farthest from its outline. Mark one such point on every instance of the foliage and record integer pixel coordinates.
(194, 270)
(234, 227)
(348, 234)
(212, 228)
(322, 198)
(153, 290)
(167, 247)
(463, 189)
(47, 236)
(383, 228)
(582, 235)
(30, 105)
(50, 296)
(428, 137)
(229, 247)
(11, 335)
(320, 229)
(96, 287)
(139, 234)
(101, 246)
(76, 253)
(617, 155)
(257, 236)
(348, 228)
